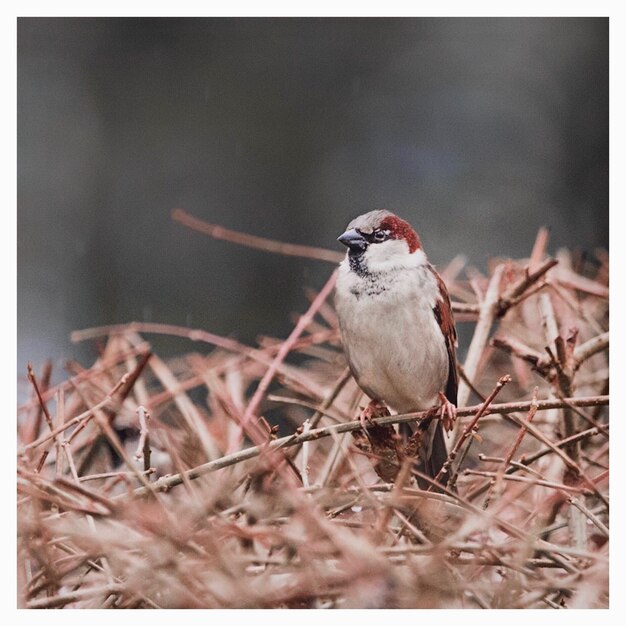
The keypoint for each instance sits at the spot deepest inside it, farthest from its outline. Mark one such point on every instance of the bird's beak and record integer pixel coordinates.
(354, 240)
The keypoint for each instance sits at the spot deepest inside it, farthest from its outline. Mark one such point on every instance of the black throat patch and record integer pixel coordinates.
(358, 264)
(371, 283)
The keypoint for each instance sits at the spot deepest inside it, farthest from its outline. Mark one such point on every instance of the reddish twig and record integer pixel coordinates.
(42, 459)
(488, 308)
(253, 241)
(526, 461)
(31, 427)
(497, 483)
(468, 434)
(589, 348)
(284, 350)
(33, 380)
(143, 447)
(512, 295)
(79, 418)
(165, 483)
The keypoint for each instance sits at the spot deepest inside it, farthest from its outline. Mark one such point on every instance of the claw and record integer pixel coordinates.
(447, 413)
(373, 409)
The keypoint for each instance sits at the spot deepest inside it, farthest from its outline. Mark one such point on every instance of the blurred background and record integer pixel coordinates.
(477, 131)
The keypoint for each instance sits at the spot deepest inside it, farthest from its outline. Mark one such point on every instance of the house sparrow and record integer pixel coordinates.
(397, 327)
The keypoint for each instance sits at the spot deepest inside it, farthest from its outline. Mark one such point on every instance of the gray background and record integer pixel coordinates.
(476, 130)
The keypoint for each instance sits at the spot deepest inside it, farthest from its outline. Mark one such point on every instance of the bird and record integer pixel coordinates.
(397, 329)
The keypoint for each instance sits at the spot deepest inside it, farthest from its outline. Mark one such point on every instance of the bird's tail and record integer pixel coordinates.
(435, 457)
(432, 452)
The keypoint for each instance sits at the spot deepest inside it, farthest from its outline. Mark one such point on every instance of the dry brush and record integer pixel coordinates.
(240, 476)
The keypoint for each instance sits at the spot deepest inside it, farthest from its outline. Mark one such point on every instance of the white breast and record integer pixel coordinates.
(394, 345)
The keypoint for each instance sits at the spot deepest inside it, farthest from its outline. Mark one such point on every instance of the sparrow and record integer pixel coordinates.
(397, 328)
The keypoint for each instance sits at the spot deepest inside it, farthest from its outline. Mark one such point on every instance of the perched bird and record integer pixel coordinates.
(397, 327)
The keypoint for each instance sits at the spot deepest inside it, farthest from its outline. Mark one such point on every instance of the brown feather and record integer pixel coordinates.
(445, 319)
(400, 229)
(436, 453)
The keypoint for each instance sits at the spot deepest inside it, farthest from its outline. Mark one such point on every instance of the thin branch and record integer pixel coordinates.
(496, 485)
(33, 380)
(526, 461)
(562, 385)
(88, 414)
(283, 351)
(253, 241)
(143, 447)
(113, 475)
(589, 348)
(539, 248)
(101, 366)
(512, 295)
(262, 356)
(589, 515)
(469, 432)
(304, 472)
(167, 482)
(42, 459)
(465, 308)
(486, 317)
(53, 602)
(192, 334)
(516, 348)
(567, 277)
(187, 408)
(526, 479)
(572, 465)
(30, 429)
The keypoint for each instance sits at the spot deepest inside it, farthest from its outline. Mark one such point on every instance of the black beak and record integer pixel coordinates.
(354, 240)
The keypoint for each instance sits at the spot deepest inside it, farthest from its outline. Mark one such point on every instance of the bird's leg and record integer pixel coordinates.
(447, 413)
(374, 409)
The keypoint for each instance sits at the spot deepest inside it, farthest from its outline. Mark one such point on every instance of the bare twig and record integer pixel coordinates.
(589, 515)
(304, 472)
(188, 410)
(525, 479)
(520, 350)
(262, 356)
(143, 447)
(526, 461)
(495, 486)
(539, 248)
(74, 596)
(488, 309)
(33, 380)
(252, 241)
(589, 348)
(512, 295)
(166, 483)
(565, 366)
(261, 527)
(569, 278)
(285, 347)
(468, 434)
(30, 430)
(83, 417)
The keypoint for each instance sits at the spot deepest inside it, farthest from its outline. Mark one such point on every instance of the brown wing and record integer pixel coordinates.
(443, 313)
(434, 454)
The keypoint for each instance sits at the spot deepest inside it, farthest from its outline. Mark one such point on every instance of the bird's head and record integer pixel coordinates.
(381, 241)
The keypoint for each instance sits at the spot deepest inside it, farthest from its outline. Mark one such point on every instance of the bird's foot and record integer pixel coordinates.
(374, 409)
(447, 413)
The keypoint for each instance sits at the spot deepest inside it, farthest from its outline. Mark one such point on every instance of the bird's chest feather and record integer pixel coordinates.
(394, 345)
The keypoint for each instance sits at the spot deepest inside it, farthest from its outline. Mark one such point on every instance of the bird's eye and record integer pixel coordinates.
(380, 235)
